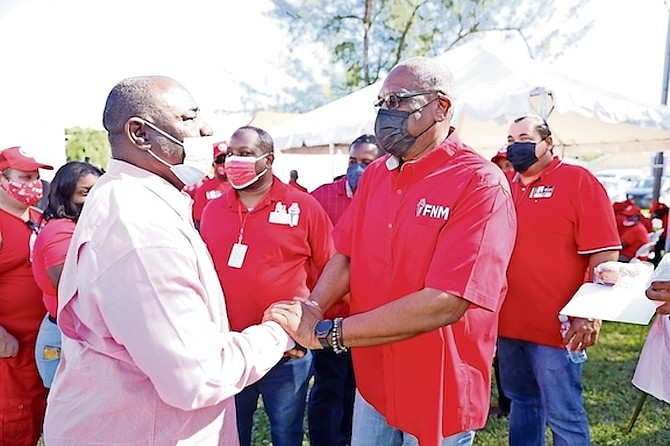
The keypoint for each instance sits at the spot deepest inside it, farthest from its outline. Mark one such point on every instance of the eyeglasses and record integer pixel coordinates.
(393, 100)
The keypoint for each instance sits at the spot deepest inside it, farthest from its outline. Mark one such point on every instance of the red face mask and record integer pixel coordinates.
(27, 193)
(241, 171)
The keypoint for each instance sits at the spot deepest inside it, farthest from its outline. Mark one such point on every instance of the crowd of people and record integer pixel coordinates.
(156, 305)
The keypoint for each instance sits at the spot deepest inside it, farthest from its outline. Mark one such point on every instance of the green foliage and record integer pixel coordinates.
(91, 144)
(366, 38)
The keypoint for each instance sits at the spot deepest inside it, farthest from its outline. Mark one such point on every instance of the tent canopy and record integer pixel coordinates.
(496, 87)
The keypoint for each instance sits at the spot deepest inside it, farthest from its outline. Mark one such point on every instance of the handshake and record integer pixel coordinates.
(299, 318)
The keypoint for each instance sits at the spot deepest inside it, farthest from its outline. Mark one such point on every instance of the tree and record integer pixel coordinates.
(366, 38)
(87, 145)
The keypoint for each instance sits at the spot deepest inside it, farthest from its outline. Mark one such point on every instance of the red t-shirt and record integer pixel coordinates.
(333, 197)
(288, 236)
(564, 217)
(50, 249)
(445, 221)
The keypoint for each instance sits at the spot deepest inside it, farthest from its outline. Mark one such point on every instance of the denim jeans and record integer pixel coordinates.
(284, 391)
(49, 336)
(331, 401)
(545, 388)
(371, 429)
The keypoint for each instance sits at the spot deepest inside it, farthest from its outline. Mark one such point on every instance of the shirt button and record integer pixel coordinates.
(20, 406)
(399, 191)
(390, 225)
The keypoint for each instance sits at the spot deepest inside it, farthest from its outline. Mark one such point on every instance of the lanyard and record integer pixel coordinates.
(243, 222)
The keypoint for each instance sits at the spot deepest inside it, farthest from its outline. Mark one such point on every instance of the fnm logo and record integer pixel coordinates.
(423, 209)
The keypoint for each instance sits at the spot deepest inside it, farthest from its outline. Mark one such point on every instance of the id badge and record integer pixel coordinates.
(237, 255)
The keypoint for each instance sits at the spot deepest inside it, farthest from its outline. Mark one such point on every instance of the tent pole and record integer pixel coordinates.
(331, 151)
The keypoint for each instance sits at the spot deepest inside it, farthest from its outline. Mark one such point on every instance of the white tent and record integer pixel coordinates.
(495, 87)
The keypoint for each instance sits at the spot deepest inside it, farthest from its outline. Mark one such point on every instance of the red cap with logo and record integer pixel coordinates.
(17, 158)
(220, 148)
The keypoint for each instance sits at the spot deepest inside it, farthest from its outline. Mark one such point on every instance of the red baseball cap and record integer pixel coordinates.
(17, 158)
(220, 148)
(502, 154)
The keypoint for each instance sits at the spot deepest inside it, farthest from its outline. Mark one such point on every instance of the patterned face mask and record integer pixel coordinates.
(29, 193)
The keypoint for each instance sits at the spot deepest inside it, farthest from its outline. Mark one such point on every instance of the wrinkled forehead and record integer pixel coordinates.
(399, 79)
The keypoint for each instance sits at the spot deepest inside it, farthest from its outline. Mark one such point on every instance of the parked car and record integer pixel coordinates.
(642, 191)
(616, 188)
(630, 176)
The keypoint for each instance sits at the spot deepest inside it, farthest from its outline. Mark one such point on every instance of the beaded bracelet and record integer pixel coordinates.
(336, 337)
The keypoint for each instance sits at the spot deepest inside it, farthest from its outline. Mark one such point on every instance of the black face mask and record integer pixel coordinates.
(391, 130)
(522, 155)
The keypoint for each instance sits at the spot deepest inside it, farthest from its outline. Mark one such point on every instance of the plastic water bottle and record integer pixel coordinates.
(576, 356)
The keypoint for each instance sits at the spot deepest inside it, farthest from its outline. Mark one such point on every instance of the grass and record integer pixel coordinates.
(610, 398)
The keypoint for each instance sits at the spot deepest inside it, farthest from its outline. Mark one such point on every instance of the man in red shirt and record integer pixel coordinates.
(423, 250)
(22, 394)
(293, 181)
(632, 232)
(209, 188)
(331, 400)
(566, 228)
(269, 242)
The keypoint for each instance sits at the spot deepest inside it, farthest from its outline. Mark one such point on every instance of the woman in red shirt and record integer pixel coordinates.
(69, 189)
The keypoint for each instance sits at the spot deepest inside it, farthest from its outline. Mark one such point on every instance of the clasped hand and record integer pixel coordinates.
(298, 319)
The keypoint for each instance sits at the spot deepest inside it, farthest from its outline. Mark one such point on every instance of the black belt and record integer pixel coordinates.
(52, 319)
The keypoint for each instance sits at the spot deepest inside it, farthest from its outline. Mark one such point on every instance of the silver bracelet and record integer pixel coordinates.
(336, 337)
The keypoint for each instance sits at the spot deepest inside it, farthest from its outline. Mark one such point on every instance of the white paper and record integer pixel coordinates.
(611, 303)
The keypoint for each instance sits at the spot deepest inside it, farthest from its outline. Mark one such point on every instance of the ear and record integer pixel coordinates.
(443, 106)
(550, 142)
(136, 132)
(270, 159)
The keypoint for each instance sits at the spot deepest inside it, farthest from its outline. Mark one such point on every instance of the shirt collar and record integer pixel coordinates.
(451, 144)
(551, 168)
(277, 192)
(178, 200)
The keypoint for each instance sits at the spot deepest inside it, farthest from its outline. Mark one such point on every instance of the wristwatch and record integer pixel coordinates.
(322, 330)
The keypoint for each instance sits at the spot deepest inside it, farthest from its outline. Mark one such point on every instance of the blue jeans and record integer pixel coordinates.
(48, 336)
(371, 429)
(331, 401)
(545, 388)
(284, 390)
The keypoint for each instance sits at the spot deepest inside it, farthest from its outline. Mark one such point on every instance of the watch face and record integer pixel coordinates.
(322, 328)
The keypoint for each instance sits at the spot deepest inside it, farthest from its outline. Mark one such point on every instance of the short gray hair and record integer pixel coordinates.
(134, 96)
(431, 74)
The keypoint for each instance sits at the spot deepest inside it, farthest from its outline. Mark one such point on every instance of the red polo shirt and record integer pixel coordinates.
(288, 236)
(564, 217)
(333, 197)
(208, 189)
(445, 221)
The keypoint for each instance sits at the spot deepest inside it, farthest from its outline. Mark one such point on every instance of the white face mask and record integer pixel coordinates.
(197, 157)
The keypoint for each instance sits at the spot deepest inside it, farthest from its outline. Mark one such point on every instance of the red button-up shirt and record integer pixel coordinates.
(445, 221)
